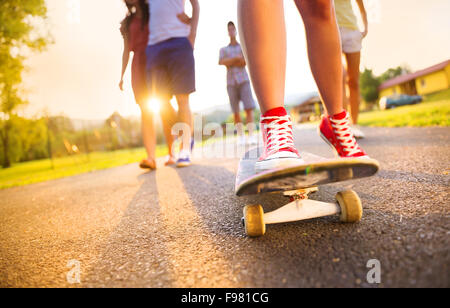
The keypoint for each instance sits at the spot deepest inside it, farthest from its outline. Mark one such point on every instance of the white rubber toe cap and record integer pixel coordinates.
(282, 159)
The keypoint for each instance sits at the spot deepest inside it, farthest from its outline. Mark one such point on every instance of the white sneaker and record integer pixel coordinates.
(357, 133)
(241, 140)
(184, 159)
(252, 140)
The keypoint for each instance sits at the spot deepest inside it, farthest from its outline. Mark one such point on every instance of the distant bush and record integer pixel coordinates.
(32, 139)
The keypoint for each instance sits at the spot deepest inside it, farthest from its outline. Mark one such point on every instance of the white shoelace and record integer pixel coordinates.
(277, 130)
(345, 135)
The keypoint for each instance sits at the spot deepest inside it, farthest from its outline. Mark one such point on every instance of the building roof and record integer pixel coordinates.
(408, 77)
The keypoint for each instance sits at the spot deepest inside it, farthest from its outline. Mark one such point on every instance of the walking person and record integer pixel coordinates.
(238, 86)
(351, 38)
(170, 61)
(135, 32)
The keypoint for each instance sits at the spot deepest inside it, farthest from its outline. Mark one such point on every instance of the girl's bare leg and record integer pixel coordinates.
(148, 132)
(324, 50)
(168, 119)
(185, 116)
(263, 34)
(353, 61)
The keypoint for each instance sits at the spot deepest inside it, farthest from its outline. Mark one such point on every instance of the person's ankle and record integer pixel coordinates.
(275, 112)
(339, 116)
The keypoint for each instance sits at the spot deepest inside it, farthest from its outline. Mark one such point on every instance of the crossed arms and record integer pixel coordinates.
(233, 62)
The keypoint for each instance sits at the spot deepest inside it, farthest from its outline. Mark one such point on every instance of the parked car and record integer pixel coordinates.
(396, 100)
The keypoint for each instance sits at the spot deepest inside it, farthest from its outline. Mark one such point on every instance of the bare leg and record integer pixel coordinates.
(249, 116)
(324, 50)
(344, 89)
(148, 132)
(353, 62)
(168, 118)
(249, 120)
(185, 116)
(237, 118)
(238, 124)
(263, 33)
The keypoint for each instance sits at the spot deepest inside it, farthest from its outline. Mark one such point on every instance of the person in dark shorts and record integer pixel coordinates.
(170, 61)
(135, 32)
(238, 85)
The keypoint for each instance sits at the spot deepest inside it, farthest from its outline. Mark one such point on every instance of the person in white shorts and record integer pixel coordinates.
(351, 39)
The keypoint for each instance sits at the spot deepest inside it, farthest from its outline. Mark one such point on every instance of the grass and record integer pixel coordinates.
(433, 111)
(42, 170)
(440, 96)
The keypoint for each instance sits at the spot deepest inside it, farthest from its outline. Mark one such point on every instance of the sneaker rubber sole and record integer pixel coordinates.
(277, 163)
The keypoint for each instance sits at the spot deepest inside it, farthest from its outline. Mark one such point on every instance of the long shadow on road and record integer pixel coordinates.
(135, 254)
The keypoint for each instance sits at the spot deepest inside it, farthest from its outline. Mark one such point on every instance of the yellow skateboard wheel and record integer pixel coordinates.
(254, 220)
(350, 204)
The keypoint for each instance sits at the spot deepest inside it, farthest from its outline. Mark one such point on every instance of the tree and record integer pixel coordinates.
(369, 85)
(394, 72)
(18, 37)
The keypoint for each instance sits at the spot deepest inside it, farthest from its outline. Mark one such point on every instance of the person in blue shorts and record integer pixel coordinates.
(170, 61)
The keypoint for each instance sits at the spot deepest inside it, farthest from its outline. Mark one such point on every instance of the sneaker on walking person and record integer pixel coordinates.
(357, 132)
(252, 139)
(184, 159)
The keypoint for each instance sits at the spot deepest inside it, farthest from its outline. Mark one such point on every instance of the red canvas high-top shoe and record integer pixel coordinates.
(279, 149)
(337, 132)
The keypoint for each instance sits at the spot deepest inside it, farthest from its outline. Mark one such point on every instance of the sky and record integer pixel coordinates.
(78, 75)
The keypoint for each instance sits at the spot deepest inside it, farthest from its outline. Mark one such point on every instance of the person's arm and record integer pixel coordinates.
(229, 62)
(222, 59)
(184, 18)
(363, 12)
(194, 21)
(240, 62)
(125, 60)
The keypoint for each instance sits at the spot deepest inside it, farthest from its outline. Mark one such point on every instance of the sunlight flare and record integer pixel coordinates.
(154, 105)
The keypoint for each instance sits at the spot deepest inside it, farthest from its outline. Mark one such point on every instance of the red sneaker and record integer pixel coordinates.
(279, 149)
(337, 132)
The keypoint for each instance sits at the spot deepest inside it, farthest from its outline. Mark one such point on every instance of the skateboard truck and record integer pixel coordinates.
(301, 208)
(299, 194)
(296, 183)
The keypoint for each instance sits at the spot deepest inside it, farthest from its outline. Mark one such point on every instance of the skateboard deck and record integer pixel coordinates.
(316, 171)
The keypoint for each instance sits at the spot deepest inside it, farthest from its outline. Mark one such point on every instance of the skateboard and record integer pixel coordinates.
(296, 183)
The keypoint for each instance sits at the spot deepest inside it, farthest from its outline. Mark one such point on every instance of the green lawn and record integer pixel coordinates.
(433, 111)
(41, 170)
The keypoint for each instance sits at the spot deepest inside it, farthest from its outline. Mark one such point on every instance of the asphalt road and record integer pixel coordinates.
(181, 227)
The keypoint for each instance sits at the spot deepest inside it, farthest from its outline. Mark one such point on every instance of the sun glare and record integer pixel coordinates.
(154, 105)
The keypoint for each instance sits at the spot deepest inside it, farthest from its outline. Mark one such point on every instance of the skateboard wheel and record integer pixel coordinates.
(350, 204)
(254, 220)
